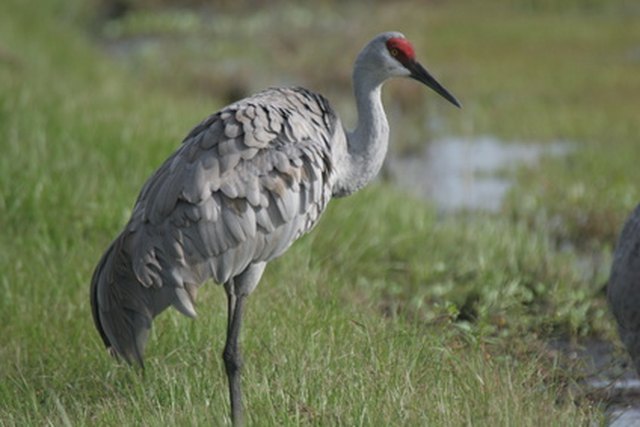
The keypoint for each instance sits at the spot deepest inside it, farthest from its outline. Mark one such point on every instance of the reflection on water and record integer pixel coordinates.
(462, 174)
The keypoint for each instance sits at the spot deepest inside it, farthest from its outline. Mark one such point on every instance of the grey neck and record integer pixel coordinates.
(367, 144)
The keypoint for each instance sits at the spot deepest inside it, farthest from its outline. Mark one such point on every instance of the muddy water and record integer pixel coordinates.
(467, 173)
(606, 376)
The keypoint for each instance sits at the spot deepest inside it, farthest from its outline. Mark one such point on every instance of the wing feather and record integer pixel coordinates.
(245, 183)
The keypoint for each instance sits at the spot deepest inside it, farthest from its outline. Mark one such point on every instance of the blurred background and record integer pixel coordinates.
(468, 283)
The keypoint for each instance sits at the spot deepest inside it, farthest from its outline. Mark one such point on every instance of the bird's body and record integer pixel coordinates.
(623, 289)
(243, 186)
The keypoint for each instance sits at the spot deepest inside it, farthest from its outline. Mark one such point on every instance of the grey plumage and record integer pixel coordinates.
(227, 198)
(623, 290)
(243, 186)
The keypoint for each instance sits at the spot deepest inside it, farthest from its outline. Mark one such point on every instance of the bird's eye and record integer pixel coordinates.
(394, 52)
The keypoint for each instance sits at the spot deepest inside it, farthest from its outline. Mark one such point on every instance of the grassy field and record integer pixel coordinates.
(387, 314)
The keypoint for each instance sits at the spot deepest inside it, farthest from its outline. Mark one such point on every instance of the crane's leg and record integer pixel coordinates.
(237, 290)
(233, 358)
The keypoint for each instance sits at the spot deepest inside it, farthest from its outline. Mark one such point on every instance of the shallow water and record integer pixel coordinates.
(624, 417)
(623, 397)
(607, 376)
(467, 173)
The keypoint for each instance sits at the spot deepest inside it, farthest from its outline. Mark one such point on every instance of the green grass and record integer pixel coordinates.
(387, 314)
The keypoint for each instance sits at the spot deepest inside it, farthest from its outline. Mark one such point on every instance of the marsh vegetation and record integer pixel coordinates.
(391, 312)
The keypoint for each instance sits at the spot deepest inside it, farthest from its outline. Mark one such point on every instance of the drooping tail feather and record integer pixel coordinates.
(122, 308)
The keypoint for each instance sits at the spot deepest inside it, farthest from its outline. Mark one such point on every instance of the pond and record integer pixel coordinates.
(467, 173)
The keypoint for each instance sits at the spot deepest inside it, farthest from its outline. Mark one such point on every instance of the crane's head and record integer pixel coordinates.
(394, 56)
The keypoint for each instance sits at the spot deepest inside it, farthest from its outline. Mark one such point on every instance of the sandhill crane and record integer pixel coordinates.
(243, 186)
(623, 289)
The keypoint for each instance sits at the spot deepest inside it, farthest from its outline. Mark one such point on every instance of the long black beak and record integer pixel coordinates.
(419, 73)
